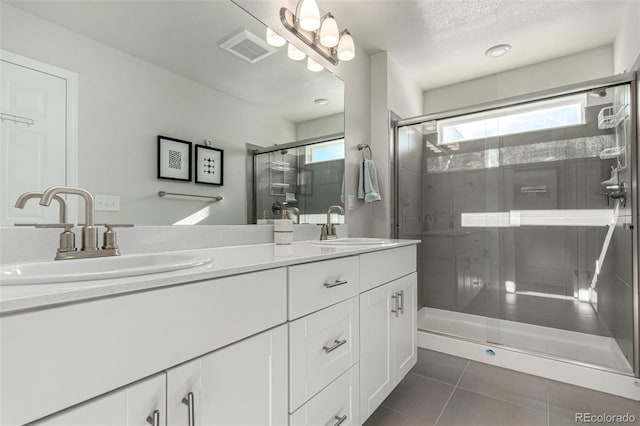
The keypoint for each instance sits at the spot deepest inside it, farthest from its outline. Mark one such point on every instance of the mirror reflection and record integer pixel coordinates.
(98, 83)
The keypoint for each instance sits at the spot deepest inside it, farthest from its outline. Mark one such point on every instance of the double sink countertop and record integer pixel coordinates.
(225, 261)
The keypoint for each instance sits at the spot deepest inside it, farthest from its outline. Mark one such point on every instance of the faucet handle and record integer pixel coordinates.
(109, 239)
(67, 238)
(67, 226)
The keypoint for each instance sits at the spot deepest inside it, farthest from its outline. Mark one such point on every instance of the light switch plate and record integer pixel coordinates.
(351, 202)
(107, 203)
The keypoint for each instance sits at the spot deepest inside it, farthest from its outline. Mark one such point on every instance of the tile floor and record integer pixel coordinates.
(446, 390)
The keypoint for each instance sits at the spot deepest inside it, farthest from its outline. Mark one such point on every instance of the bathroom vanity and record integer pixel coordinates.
(310, 333)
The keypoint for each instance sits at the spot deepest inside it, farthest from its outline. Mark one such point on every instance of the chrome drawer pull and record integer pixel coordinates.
(396, 311)
(338, 343)
(340, 420)
(154, 418)
(401, 301)
(190, 403)
(336, 283)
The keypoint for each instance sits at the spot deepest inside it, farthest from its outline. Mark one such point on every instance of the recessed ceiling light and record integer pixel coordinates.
(321, 101)
(498, 50)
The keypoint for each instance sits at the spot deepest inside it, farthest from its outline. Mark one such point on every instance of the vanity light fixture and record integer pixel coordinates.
(329, 33)
(498, 50)
(321, 34)
(313, 66)
(295, 53)
(308, 15)
(274, 39)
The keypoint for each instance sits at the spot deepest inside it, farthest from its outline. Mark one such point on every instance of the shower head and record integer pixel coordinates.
(598, 93)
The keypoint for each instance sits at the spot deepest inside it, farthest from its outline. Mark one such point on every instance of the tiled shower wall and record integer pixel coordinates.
(322, 188)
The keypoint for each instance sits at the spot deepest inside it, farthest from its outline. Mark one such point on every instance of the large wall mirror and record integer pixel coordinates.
(124, 72)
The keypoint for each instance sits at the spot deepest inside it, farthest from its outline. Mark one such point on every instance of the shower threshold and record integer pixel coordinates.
(594, 350)
(581, 359)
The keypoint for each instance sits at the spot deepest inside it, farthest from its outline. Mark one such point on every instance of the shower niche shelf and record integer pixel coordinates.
(610, 117)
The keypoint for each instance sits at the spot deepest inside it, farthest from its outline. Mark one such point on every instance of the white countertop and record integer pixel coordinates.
(226, 261)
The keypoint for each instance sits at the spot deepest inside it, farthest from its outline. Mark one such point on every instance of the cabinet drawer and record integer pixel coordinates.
(322, 346)
(337, 401)
(314, 286)
(383, 266)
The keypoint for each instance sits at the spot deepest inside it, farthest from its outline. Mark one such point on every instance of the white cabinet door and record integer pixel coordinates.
(404, 331)
(388, 339)
(376, 379)
(242, 384)
(129, 406)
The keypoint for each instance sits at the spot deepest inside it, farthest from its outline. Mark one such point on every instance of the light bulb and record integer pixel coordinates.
(309, 15)
(346, 47)
(313, 65)
(274, 39)
(329, 35)
(295, 53)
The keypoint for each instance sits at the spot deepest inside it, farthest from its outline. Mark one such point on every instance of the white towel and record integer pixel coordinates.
(368, 189)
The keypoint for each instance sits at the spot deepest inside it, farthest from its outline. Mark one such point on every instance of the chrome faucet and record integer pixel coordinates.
(89, 231)
(328, 231)
(295, 211)
(22, 200)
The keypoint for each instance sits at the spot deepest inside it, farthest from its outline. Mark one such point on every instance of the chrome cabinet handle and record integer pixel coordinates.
(154, 418)
(401, 301)
(337, 344)
(396, 310)
(336, 283)
(190, 403)
(340, 420)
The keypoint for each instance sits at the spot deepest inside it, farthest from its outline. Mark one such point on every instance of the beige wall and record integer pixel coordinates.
(626, 48)
(124, 103)
(318, 127)
(583, 66)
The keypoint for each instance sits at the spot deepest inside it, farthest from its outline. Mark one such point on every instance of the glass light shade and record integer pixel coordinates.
(295, 53)
(346, 47)
(274, 39)
(313, 65)
(309, 15)
(329, 35)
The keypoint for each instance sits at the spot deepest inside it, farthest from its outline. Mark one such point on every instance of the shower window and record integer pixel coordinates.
(325, 151)
(554, 113)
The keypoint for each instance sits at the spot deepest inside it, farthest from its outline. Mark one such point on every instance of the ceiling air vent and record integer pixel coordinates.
(247, 46)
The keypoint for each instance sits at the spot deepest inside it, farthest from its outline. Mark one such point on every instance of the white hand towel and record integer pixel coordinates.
(368, 189)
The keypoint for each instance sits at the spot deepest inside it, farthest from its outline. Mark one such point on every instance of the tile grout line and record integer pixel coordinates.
(506, 401)
(452, 392)
(422, 376)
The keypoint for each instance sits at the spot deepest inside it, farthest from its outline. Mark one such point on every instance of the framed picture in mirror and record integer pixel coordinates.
(174, 159)
(209, 165)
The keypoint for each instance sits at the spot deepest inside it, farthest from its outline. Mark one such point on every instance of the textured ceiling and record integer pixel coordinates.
(441, 42)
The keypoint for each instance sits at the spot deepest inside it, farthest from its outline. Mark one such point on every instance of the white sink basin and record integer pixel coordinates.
(97, 268)
(354, 242)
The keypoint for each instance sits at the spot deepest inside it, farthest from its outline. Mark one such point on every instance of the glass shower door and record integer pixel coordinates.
(526, 225)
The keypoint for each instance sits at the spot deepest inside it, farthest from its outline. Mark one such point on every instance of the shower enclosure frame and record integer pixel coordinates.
(625, 78)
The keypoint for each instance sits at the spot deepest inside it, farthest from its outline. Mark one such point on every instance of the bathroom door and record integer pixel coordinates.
(36, 138)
